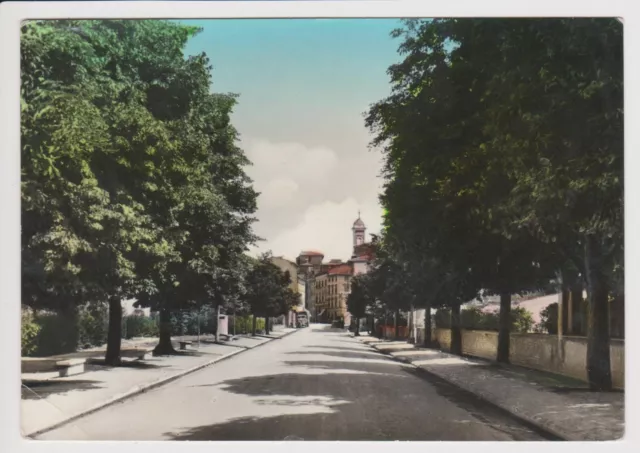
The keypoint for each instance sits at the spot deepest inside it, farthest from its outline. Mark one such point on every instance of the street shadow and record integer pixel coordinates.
(231, 344)
(341, 348)
(362, 355)
(35, 390)
(386, 367)
(189, 353)
(99, 364)
(345, 406)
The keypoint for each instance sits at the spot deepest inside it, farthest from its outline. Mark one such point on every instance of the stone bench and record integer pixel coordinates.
(184, 344)
(64, 367)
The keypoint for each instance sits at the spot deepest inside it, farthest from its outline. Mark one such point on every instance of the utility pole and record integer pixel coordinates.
(217, 323)
(199, 310)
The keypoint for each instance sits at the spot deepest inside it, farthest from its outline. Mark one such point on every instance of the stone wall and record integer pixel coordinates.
(567, 357)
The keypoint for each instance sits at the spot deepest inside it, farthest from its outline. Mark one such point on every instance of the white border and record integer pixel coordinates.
(11, 14)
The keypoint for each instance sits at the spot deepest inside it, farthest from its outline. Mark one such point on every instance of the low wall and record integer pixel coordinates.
(567, 357)
(389, 332)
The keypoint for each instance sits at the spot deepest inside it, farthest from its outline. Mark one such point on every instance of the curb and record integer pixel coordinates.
(522, 418)
(144, 388)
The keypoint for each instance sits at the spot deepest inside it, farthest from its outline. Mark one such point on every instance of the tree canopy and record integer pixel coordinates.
(503, 161)
(133, 185)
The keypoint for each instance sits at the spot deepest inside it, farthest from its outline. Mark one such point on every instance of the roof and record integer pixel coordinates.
(343, 269)
(311, 253)
(284, 259)
(358, 223)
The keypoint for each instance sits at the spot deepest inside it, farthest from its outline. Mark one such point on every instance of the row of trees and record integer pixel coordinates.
(132, 183)
(503, 146)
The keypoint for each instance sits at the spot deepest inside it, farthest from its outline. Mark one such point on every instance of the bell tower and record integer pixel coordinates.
(358, 230)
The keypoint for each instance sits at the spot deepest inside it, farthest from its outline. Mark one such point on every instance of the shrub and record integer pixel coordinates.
(473, 318)
(93, 324)
(521, 320)
(140, 326)
(549, 319)
(244, 324)
(57, 335)
(30, 330)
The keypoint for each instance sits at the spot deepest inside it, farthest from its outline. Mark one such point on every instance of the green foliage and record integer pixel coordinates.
(244, 324)
(93, 323)
(549, 319)
(132, 183)
(474, 318)
(55, 335)
(359, 299)
(140, 326)
(30, 330)
(268, 292)
(498, 180)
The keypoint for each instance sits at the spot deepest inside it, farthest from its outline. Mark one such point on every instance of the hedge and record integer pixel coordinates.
(474, 318)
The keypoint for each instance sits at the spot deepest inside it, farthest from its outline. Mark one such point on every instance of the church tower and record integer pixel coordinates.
(358, 231)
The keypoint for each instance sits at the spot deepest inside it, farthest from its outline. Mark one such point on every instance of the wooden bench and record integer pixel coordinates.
(64, 367)
(184, 344)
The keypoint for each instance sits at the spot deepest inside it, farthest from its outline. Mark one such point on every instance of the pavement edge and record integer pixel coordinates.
(144, 388)
(522, 418)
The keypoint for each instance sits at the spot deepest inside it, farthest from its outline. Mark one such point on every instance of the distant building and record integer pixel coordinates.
(329, 283)
(286, 265)
(362, 250)
(332, 289)
(309, 265)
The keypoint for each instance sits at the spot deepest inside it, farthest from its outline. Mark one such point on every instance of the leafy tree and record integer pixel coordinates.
(496, 158)
(267, 290)
(80, 236)
(359, 299)
(133, 185)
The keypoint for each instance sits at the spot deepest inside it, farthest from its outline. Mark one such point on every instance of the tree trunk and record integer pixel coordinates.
(114, 334)
(577, 324)
(255, 325)
(427, 326)
(266, 325)
(566, 294)
(357, 332)
(456, 333)
(164, 346)
(598, 336)
(504, 329)
(396, 324)
(410, 334)
(217, 323)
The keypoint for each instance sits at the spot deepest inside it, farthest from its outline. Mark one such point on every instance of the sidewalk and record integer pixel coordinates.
(47, 403)
(559, 405)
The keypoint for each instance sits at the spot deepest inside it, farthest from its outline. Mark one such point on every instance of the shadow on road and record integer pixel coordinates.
(31, 390)
(342, 354)
(355, 399)
(342, 348)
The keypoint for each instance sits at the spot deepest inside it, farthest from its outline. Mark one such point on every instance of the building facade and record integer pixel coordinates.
(328, 284)
(286, 265)
(309, 265)
(332, 289)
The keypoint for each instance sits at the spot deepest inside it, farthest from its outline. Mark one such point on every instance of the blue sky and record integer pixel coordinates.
(304, 85)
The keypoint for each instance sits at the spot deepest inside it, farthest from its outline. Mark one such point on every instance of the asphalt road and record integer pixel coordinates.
(317, 384)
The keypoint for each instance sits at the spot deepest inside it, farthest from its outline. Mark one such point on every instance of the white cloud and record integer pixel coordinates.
(310, 196)
(278, 193)
(326, 227)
